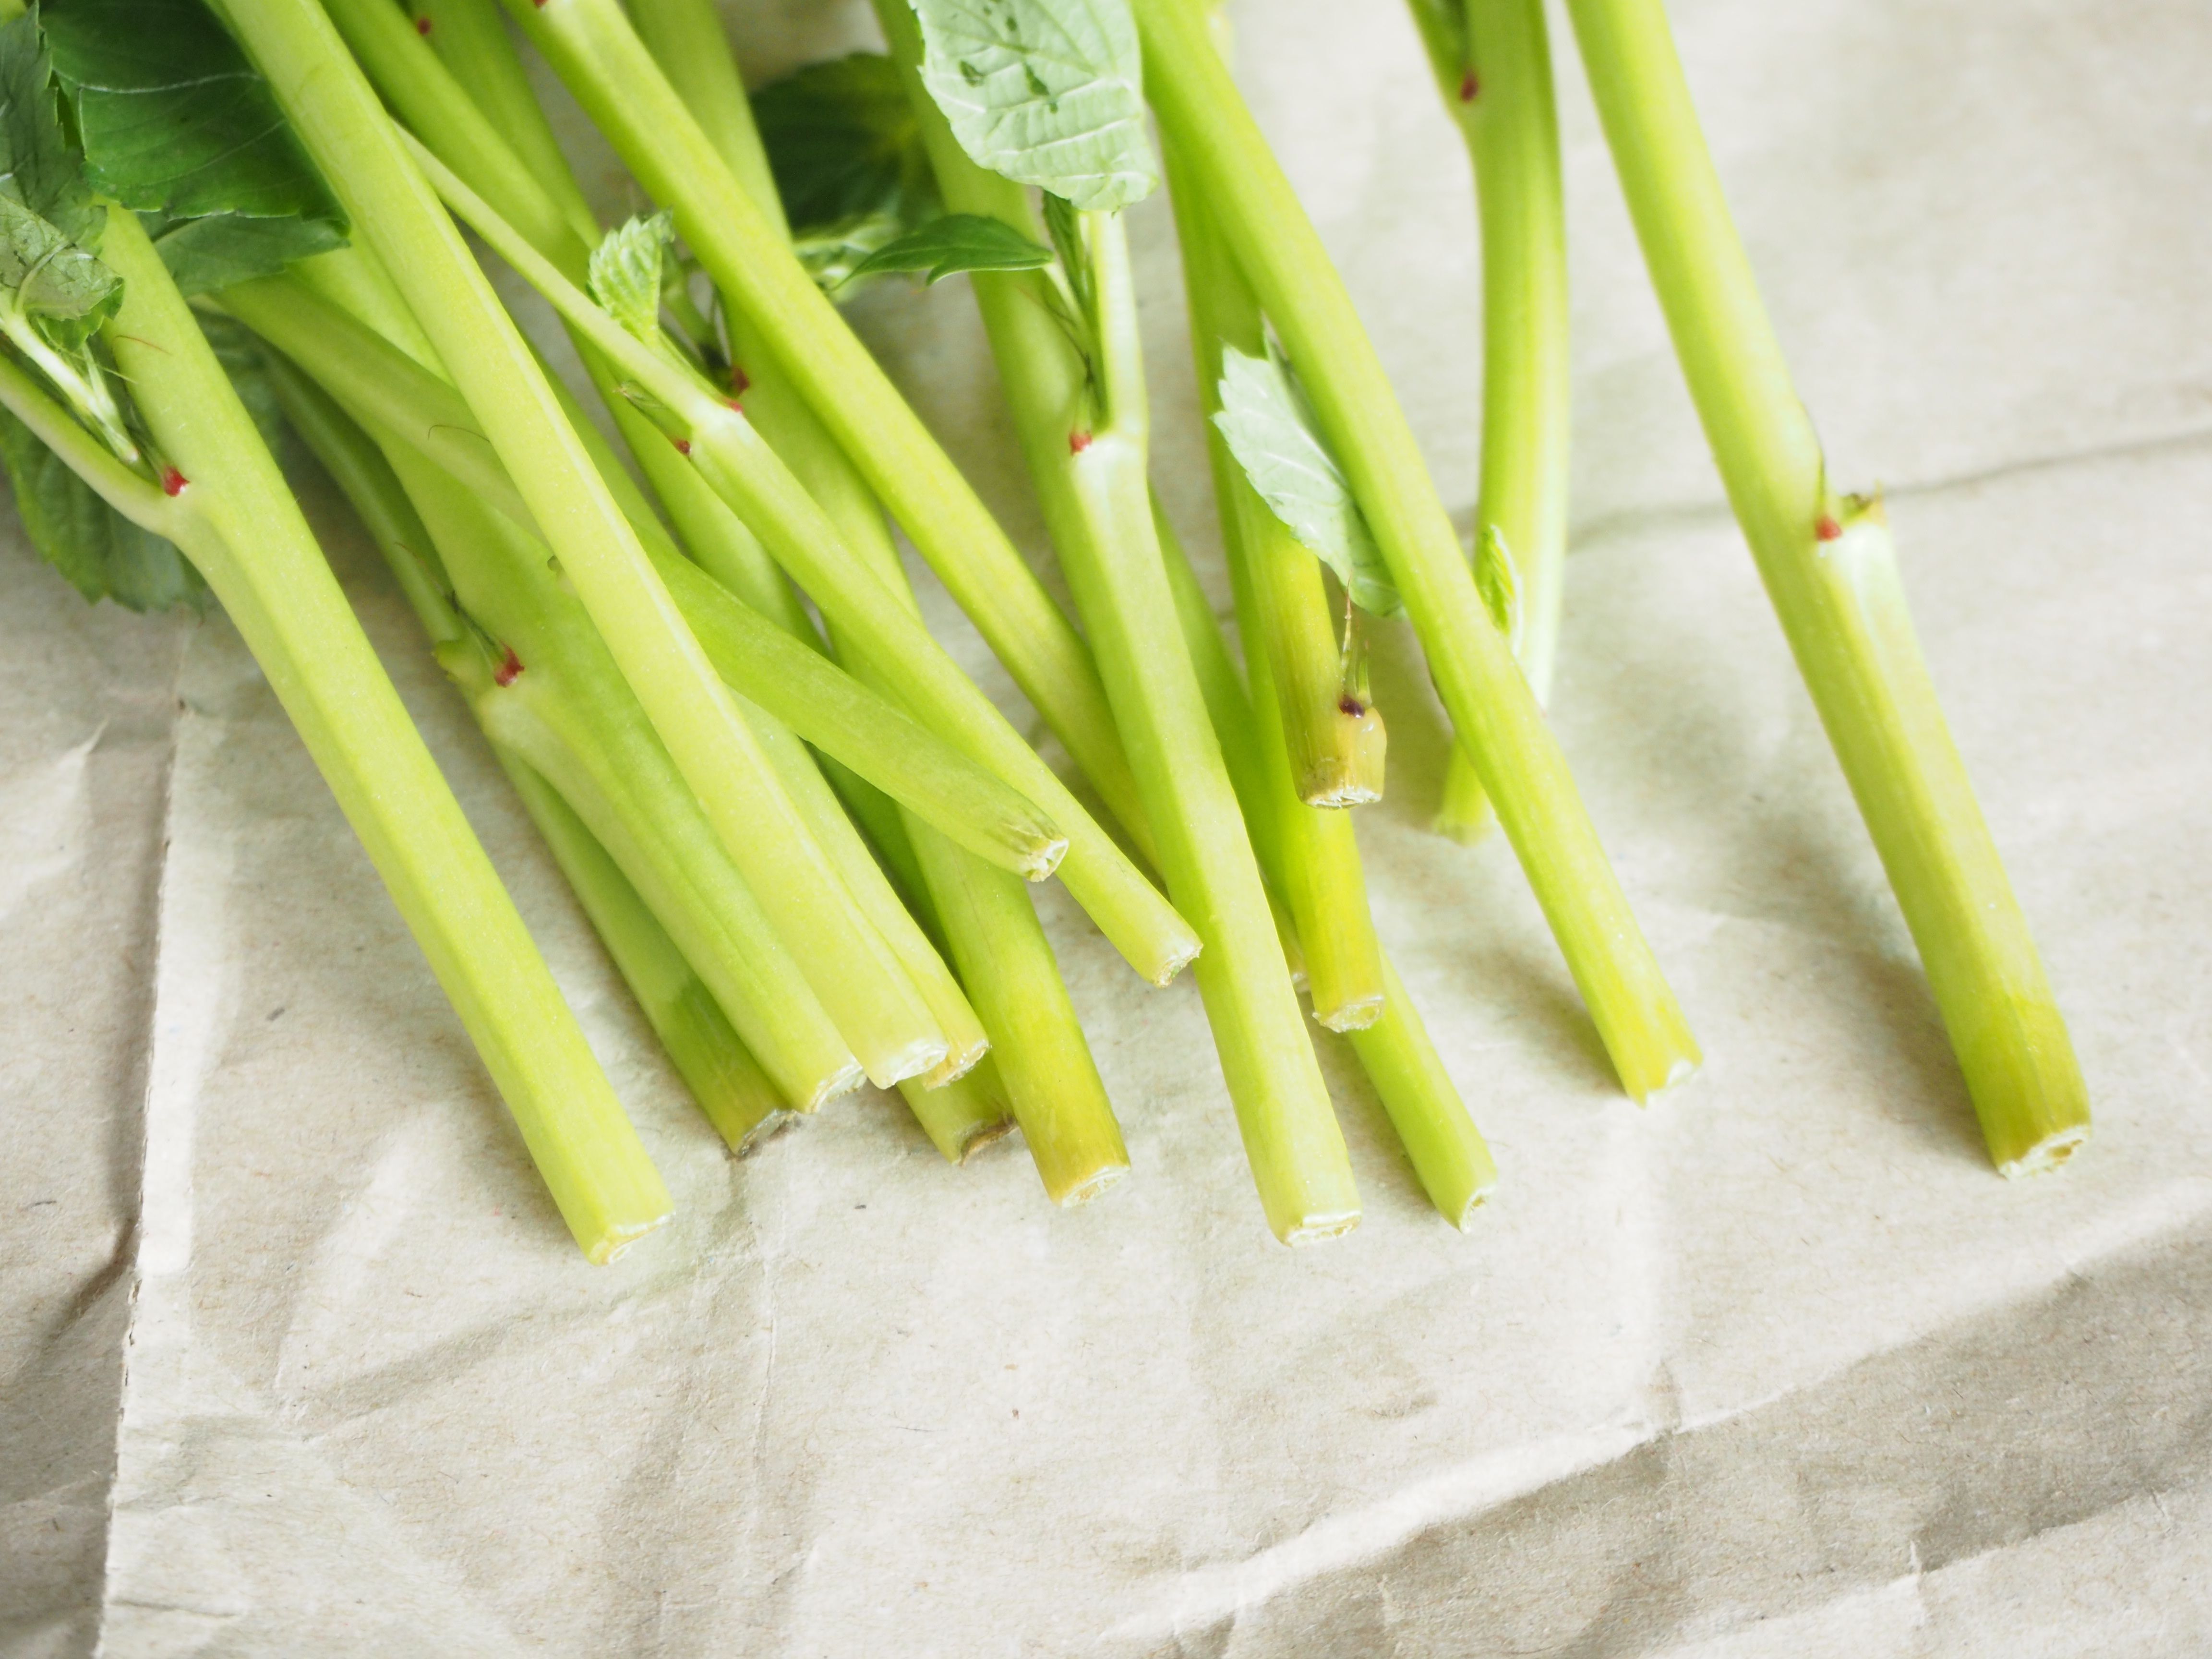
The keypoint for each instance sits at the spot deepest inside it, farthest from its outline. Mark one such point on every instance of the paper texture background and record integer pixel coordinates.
(295, 1357)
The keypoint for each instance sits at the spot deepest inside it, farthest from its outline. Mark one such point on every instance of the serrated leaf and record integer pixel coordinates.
(628, 269)
(1272, 434)
(205, 255)
(957, 242)
(1499, 580)
(174, 119)
(50, 278)
(101, 553)
(40, 170)
(1044, 92)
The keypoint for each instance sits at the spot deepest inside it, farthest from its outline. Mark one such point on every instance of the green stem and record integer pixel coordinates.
(727, 1084)
(1840, 602)
(1496, 716)
(470, 39)
(592, 48)
(1497, 84)
(243, 530)
(725, 1080)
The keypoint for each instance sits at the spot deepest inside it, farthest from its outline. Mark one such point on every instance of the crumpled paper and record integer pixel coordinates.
(299, 1359)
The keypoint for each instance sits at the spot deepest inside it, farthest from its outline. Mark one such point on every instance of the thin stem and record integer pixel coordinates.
(1829, 567)
(337, 118)
(1498, 90)
(1496, 716)
(245, 532)
(592, 48)
(470, 39)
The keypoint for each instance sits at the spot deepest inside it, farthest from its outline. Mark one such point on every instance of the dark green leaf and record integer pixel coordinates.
(957, 242)
(207, 255)
(174, 119)
(843, 145)
(103, 554)
(40, 169)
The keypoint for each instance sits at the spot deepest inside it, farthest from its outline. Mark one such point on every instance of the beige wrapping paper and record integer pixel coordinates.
(295, 1358)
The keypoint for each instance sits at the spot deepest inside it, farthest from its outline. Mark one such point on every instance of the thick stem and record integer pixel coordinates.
(246, 533)
(1498, 91)
(1279, 598)
(1102, 516)
(1830, 571)
(1496, 716)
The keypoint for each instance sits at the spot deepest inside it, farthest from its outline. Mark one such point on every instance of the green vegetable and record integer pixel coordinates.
(1828, 564)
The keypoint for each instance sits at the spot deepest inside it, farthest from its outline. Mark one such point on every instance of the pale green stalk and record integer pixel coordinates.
(470, 39)
(336, 114)
(726, 1081)
(1496, 716)
(596, 53)
(1493, 66)
(1829, 567)
(238, 523)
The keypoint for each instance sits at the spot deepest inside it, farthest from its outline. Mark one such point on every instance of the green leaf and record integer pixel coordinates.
(957, 242)
(845, 147)
(103, 554)
(173, 119)
(1044, 92)
(40, 170)
(1271, 432)
(1499, 580)
(50, 278)
(628, 271)
(207, 255)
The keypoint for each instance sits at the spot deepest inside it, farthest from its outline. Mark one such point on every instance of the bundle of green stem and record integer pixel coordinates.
(806, 847)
